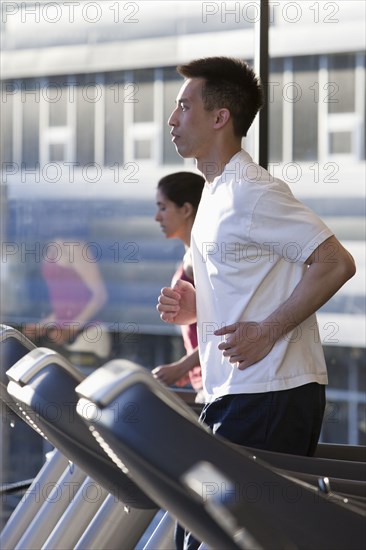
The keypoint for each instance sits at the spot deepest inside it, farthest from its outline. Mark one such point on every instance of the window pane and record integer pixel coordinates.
(305, 109)
(338, 375)
(114, 131)
(340, 142)
(30, 136)
(142, 95)
(57, 152)
(142, 149)
(362, 424)
(86, 97)
(275, 102)
(335, 423)
(55, 94)
(172, 84)
(341, 92)
(6, 127)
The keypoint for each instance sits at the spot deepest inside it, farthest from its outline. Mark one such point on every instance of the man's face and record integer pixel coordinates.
(191, 125)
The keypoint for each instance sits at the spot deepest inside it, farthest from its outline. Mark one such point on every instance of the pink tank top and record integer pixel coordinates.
(67, 291)
(190, 340)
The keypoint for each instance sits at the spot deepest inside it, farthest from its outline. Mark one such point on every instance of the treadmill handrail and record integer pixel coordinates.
(106, 383)
(9, 332)
(33, 362)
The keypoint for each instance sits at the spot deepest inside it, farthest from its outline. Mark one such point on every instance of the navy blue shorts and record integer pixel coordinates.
(287, 421)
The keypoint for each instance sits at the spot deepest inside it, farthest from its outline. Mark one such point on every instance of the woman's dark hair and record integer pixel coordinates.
(182, 187)
(228, 83)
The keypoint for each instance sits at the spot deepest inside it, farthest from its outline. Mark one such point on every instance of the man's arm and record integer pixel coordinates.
(178, 304)
(330, 266)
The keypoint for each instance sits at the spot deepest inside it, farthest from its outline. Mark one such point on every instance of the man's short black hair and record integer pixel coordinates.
(229, 83)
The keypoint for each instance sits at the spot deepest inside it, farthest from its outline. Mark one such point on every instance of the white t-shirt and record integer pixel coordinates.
(249, 242)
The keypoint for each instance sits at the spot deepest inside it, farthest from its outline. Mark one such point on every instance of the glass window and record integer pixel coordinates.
(305, 108)
(362, 424)
(114, 118)
(87, 94)
(340, 143)
(141, 94)
(341, 85)
(143, 149)
(55, 93)
(362, 93)
(172, 84)
(335, 423)
(57, 152)
(358, 354)
(30, 135)
(6, 111)
(338, 375)
(275, 102)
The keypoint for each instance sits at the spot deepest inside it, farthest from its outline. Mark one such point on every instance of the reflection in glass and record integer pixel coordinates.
(142, 149)
(6, 138)
(275, 101)
(57, 152)
(86, 97)
(56, 94)
(172, 84)
(305, 109)
(341, 92)
(335, 424)
(362, 424)
(142, 95)
(113, 122)
(340, 143)
(30, 136)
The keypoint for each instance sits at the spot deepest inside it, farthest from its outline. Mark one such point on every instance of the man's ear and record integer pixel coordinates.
(222, 116)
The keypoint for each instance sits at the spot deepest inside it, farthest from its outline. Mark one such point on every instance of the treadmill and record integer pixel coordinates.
(202, 480)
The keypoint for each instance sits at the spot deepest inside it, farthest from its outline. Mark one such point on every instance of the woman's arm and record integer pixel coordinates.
(171, 373)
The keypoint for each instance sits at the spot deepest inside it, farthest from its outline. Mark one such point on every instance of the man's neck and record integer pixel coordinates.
(213, 166)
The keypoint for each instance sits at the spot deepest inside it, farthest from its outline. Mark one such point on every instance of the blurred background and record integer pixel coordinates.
(86, 92)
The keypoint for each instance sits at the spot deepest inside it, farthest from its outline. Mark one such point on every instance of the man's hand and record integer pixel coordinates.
(329, 267)
(178, 304)
(246, 343)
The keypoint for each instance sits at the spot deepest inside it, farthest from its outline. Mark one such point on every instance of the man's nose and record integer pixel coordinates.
(172, 121)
